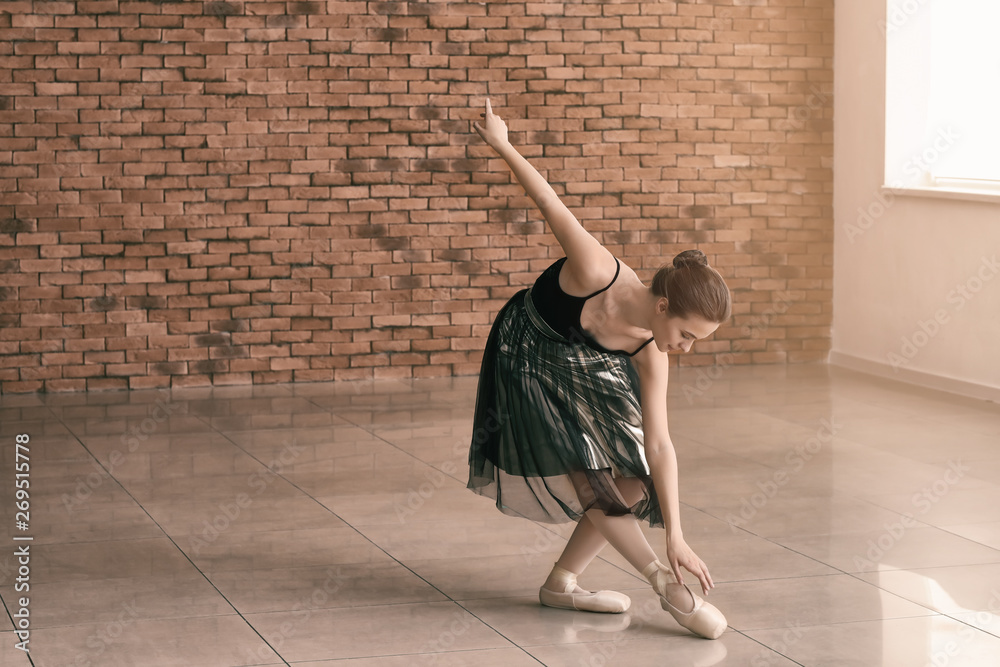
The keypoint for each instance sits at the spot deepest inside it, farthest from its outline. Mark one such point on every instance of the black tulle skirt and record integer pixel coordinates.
(555, 423)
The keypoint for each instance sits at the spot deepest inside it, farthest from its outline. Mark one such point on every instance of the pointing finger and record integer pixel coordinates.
(489, 108)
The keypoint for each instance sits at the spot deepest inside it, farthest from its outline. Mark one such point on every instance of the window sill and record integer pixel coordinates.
(991, 196)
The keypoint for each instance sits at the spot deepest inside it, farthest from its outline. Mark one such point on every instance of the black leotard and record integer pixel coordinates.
(562, 311)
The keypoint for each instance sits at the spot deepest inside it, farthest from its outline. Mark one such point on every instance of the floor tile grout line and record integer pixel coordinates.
(952, 616)
(334, 661)
(765, 646)
(513, 643)
(167, 535)
(856, 576)
(839, 571)
(371, 431)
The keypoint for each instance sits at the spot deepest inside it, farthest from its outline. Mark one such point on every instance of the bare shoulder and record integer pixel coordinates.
(653, 366)
(589, 269)
(628, 275)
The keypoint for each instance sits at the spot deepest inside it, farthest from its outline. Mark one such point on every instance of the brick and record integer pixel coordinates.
(167, 179)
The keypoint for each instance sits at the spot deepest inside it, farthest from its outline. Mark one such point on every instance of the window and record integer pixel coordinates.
(943, 95)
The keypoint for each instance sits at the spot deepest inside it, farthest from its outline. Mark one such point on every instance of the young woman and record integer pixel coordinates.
(571, 412)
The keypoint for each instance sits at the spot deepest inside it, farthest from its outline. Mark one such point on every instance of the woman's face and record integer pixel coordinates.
(678, 334)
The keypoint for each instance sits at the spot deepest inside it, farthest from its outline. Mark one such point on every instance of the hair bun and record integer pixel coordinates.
(690, 258)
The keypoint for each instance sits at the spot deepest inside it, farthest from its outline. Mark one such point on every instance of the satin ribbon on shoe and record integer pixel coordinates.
(608, 602)
(703, 620)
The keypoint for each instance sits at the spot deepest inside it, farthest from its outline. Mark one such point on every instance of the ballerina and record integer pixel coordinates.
(571, 409)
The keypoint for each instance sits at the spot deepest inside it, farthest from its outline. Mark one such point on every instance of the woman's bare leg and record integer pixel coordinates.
(588, 539)
(561, 589)
(627, 538)
(583, 546)
(625, 535)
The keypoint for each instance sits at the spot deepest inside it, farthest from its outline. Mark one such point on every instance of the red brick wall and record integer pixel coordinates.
(197, 193)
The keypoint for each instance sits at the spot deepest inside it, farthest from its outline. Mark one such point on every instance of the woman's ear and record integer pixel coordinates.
(662, 305)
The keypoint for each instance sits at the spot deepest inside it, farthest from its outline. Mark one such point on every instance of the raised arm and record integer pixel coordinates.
(589, 264)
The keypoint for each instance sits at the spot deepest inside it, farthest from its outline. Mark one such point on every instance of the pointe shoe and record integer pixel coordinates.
(703, 620)
(608, 602)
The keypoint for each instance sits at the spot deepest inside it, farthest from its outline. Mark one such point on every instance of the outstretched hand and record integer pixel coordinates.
(679, 555)
(493, 130)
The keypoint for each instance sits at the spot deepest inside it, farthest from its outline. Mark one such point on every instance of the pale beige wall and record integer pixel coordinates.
(900, 269)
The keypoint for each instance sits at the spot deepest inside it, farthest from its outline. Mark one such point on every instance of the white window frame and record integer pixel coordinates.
(914, 142)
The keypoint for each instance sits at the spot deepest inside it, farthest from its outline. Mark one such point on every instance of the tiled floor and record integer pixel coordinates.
(846, 521)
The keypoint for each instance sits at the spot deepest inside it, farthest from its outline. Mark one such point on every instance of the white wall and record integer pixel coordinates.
(900, 268)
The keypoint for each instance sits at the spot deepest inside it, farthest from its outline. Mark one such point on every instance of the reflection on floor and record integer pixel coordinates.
(846, 521)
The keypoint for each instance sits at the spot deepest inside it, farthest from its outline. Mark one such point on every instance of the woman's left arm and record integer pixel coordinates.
(653, 369)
